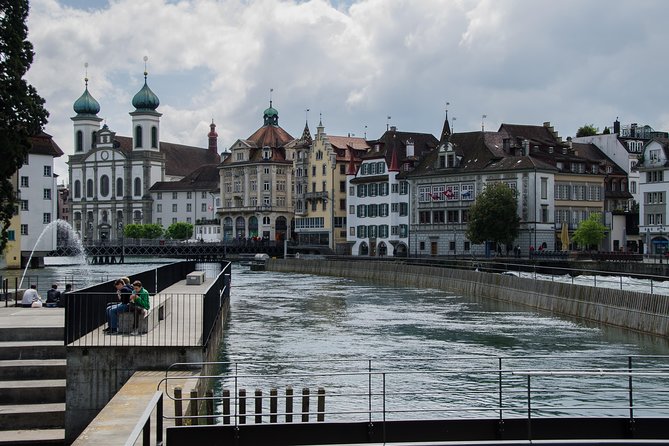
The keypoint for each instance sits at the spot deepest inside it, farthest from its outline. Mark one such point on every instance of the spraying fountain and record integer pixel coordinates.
(73, 238)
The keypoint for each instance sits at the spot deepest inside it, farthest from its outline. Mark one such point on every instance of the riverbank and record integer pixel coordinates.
(622, 308)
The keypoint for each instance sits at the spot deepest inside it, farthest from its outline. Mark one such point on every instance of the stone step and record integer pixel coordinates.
(32, 416)
(32, 333)
(32, 391)
(13, 350)
(33, 369)
(33, 436)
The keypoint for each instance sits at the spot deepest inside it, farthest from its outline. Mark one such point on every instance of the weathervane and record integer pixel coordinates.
(146, 58)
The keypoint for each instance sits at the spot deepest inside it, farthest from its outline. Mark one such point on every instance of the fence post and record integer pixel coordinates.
(273, 405)
(305, 405)
(226, 406)
(178, 407)
(289, 404)
(194, 408)
(209, 403)
(258, 406)
(321, 405)
(242, 406)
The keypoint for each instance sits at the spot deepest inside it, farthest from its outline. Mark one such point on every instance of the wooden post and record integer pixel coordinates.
(242, 406)
(321, 405)
(258, 401)
(209, 403)
(178, 407)
(226, 406)
(289, 404)
(305, 405)
(194, 408)
(273, 405)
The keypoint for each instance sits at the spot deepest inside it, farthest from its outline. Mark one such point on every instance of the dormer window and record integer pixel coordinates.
(266, 153)
(450, 160)
(442, 161)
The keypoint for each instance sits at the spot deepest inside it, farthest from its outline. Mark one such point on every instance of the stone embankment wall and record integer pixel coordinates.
(633, 310)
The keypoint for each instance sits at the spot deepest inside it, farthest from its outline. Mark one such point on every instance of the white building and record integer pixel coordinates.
(654, 188)
(110, 175)
(38, 199)
(378, 197)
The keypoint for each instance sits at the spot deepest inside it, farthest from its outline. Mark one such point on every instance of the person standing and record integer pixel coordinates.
(139, 304)
(29, 296)
(123, 294)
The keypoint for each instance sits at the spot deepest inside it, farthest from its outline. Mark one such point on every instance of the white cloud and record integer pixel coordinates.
(357, 62)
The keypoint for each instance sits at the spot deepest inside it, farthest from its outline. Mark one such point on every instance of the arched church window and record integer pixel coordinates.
(138, 136)
(104, 185)
(154, 137)
(119, 187)
(77, 189)
(138, 187)
(79, 144)
(89, 188)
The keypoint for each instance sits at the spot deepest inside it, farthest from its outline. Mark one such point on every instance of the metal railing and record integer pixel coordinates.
(143, 426)
(455, 387)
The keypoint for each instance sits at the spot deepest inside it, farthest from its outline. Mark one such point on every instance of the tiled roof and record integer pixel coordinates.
(534, 133)
(203, 178)
(342, 142)
(43, 144)
(180, 160)
(270, 136)
(394, 140)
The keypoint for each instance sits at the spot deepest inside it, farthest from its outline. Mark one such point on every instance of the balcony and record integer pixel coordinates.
(316, 195)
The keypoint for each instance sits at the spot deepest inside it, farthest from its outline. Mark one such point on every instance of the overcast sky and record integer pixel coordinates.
(356, 62)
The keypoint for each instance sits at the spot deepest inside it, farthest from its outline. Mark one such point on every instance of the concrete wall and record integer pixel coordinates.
(636, 311)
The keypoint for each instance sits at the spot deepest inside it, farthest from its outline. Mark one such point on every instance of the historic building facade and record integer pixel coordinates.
(111, 175)
(654, 188)
(256, 184)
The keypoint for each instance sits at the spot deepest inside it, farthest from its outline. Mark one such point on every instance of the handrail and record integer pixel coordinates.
(143, 425)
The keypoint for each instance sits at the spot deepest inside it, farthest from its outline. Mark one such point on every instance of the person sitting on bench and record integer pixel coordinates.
(139, 303)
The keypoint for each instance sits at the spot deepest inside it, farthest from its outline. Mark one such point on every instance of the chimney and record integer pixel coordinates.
(569, 143)
(526, 147)
(616, 126)
(213, 138)
(506, 145)
(393, 128)
(633, 129)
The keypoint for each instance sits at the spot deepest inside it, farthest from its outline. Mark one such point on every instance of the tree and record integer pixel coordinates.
(150, 230)
(180, 230)
(590, 232)
(494, 215)
(606, 131)
(587, 130)
(22, 112)
(133, 230)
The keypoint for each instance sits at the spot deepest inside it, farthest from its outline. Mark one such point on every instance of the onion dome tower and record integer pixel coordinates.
(86, 122)
(145, 118)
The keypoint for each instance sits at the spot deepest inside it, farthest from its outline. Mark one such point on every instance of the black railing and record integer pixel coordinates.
(216, 297)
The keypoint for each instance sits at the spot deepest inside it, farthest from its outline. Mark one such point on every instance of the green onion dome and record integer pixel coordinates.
(86, 104)
(145, 99)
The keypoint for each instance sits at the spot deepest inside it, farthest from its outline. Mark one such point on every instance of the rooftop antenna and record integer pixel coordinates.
(388, 123)
(483, 122)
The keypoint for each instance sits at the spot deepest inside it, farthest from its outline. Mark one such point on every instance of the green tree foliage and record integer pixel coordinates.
(180, 231)
(22, 112)
(590, 232)
(494, 215)
(143, 231)
(587, 130)
(606, 131)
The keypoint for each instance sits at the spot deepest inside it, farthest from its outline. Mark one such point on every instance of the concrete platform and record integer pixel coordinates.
(116, 421)
(33, 436)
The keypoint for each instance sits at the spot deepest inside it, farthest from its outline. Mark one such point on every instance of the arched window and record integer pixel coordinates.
(119, 187)
(154, 137)
(89, 188)
(104, 185)
(105, 217)
(138, 187)
(137, 216)
(119, 219)
(94, 138)
(240, 227)
(77, 216)
(77, 189)
(79, 144)
(138, 136)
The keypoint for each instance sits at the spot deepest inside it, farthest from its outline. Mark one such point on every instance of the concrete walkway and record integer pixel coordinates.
(117, 420)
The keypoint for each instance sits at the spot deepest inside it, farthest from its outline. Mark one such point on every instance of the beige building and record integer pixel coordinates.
(256, 184)
(320, 188)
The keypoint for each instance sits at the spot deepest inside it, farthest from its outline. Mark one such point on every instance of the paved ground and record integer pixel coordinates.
(17, 317)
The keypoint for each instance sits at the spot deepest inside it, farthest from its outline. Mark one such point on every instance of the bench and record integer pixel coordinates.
(195, 278)
(161, 306)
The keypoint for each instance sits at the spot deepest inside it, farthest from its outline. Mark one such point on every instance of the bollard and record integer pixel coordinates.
(258, 404)
(305, 405)
(242, 406)
(209, 404)
(273, 405)
(321, 405)
(226, 406)
(178, 407)
(289, 404)
(194, 421)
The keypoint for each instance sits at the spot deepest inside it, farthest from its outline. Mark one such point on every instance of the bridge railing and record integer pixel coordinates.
(465, 387)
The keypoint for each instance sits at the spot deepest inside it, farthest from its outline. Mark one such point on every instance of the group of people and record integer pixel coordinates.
(54, 298)
(129, 298)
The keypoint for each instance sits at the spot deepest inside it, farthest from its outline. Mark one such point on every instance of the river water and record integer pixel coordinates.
(416, 352)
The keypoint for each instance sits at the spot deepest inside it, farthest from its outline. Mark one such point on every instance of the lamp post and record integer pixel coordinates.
(333, 166)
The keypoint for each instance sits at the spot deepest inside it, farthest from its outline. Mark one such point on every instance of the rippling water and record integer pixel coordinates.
(421, 341)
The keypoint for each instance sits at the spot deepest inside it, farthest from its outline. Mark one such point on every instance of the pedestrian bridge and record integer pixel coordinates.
(490, 400)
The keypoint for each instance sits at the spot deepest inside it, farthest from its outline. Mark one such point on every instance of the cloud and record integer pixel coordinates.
(356, 62)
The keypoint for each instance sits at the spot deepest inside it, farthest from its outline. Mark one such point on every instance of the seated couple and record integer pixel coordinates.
(130, 298)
